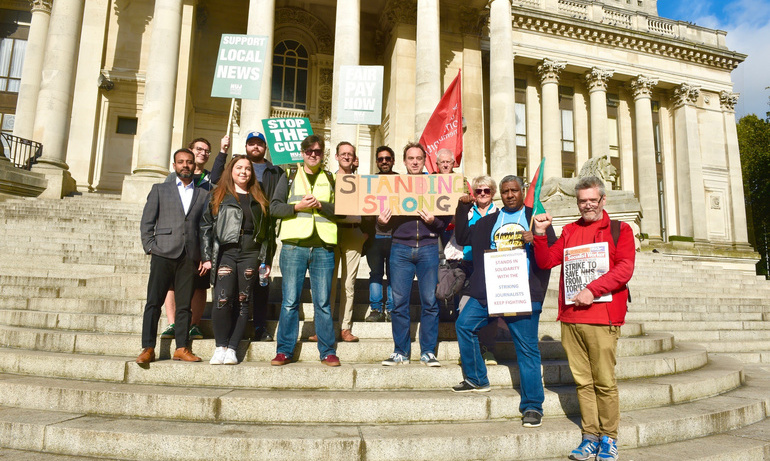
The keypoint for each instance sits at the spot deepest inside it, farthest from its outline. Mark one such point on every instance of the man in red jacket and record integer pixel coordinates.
(590, 328)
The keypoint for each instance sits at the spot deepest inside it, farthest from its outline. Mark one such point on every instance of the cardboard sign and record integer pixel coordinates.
(360, 95)
(284, 138)
(404, 194)
(507, 281)
(582, 265)
(239, 67)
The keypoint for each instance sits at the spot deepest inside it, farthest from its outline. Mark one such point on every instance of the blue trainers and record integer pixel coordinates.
(586, 450)
(395, 359)
(608, 450)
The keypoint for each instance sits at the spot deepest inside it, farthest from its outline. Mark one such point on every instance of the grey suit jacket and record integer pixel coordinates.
(166, 231)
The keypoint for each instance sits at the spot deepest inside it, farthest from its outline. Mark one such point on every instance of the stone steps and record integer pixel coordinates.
(77, 433)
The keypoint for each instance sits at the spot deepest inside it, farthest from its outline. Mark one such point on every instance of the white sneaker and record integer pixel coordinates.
(395, 359)
(230, 357)
(219, 356)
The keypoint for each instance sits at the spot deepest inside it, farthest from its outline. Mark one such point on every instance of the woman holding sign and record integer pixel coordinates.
(234, 242)
(507, 232)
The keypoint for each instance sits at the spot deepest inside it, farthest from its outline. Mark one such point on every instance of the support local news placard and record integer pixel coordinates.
(284, 138)
(360, 95)
(582, 265)
(239, 67)
(404, 194)
(507, 280)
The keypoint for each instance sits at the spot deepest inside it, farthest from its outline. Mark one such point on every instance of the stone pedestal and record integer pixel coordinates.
(136, 187)
(15, 182)
(59, 181)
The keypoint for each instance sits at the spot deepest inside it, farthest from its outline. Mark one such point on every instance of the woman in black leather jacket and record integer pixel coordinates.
(233, 235)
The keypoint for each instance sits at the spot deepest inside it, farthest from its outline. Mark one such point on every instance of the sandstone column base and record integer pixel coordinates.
(136, 188)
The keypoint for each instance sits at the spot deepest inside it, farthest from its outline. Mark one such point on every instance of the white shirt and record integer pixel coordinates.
(185, 193)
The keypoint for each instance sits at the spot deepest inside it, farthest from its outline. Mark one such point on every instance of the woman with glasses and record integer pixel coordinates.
(234, 232)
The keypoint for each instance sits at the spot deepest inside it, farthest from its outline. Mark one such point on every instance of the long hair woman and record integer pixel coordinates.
(234, 232)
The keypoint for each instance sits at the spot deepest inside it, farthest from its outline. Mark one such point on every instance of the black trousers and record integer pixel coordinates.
(165, 273)
(237, 271)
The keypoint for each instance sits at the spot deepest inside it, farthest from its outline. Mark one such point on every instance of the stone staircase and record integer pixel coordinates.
(72, 286)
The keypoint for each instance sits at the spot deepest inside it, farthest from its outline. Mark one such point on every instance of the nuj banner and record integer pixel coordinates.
(445, 127)
(239, 67)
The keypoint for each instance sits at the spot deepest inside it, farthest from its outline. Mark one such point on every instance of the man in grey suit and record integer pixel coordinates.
(169, 228)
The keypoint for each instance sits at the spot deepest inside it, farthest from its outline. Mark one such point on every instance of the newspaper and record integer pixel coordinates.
(582, 265)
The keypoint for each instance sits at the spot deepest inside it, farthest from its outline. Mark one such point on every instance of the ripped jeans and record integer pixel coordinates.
(237, 272)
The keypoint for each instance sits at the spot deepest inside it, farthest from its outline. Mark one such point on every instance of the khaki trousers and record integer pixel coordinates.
(347, 256)
(591, 355)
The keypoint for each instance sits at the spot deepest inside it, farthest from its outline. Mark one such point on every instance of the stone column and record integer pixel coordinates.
(597, 79)
(31, 72)
(427, 63)
(534, 119)
(582, 138)
(549, 71)
(55, 98)
(347, 49)
(689, 167)
(502, 105)
(253, 111)
(157, 118)
(646, 165)
(739, 232)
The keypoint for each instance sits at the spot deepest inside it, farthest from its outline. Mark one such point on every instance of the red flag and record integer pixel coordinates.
(534, 187)
(445, 127)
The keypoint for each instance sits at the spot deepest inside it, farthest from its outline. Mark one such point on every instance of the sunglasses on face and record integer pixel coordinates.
(314, 152)
(485, 191)
(384, 159)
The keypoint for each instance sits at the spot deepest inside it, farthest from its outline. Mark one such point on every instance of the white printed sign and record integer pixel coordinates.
(507, 280)
(239, 66)
(582, 265)
(360, 95)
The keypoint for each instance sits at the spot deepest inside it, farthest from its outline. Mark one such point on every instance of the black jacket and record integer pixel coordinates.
(225, 227)
(480, 241)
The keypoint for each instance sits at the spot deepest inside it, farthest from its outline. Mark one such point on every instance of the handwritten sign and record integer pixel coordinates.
(582, 265)
(360, 95)
(239, 67)
(403, 194)
(507, 281)
(284, 138)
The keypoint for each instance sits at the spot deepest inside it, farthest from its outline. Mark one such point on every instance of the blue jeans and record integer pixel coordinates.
(406, 262)
(295, 261)
(523, 329)
(378, 258)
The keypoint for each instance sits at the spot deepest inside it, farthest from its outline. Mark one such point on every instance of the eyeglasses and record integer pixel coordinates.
(384, 159)
(346, 155)
(485, 191)
(590, 201)
(314, 152)
(202, 149)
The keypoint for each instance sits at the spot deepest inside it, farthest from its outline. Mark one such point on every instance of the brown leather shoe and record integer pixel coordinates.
(313, 338)
(147, 355)
(185, 354)
(348, 337)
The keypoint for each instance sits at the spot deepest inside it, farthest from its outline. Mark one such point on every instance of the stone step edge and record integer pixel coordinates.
(138, 439)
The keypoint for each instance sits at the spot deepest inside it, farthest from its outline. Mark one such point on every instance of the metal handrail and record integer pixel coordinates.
(23, 153)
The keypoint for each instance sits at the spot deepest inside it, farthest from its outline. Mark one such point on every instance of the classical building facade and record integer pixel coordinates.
(112, 87)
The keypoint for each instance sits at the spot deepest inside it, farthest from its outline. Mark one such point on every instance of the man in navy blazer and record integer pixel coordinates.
(169, 228)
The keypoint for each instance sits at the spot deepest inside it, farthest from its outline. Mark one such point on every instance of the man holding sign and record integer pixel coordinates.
(591, 326)
(506, 231)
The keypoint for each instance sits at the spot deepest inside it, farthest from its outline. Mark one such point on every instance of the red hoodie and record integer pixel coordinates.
(621, 269)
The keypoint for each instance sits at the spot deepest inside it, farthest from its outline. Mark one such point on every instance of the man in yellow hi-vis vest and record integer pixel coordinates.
(309, 235)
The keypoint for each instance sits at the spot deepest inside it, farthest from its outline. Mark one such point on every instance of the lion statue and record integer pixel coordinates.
(601, 167)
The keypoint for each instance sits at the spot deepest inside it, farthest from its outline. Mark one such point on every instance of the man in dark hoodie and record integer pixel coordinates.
(414, 251)
(506, 229)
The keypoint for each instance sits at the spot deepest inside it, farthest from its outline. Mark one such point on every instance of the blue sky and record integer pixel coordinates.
(747, 23)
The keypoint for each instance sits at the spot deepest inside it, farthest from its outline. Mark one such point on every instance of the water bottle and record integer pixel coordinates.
(263, 275)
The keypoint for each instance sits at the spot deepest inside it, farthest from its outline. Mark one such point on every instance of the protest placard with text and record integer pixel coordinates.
(284, 138)
(402, 194)
(239, 67)
(507, 279)
(360, 95)
(582, 265)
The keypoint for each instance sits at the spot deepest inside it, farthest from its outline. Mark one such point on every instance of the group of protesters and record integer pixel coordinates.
(220, 228)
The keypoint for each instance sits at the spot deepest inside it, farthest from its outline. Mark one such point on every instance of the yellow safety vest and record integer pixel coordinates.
(301, 226)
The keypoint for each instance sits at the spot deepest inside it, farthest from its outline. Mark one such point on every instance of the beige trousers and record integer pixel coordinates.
(347, 256)
(591, 355)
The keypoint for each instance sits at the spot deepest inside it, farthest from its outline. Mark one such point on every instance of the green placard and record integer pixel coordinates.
(239, 67)
(284, 138)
